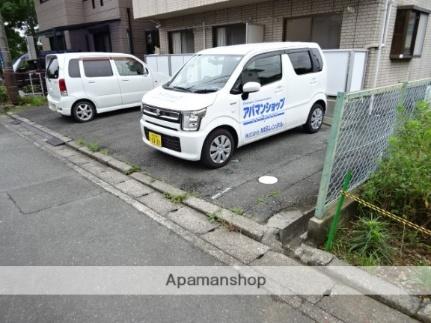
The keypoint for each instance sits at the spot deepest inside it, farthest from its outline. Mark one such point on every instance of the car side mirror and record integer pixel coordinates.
(251, 87)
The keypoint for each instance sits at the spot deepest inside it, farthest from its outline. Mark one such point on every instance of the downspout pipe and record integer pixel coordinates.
(382, 40)
(383, 34)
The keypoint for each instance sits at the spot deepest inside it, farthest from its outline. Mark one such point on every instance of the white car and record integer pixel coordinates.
(227, 97)
(84, 84)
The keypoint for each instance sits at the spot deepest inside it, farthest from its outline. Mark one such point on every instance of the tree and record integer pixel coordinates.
(19, 18)
(8, 74)
(16, 16)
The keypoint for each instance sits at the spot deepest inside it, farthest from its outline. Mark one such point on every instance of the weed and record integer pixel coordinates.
(264, 199)
(212, 217)
(370, 240)
(238, 210)
(104, 151)
(133, 169)
(80, 142)
(260, 200)
(93, 147)
(175, 198)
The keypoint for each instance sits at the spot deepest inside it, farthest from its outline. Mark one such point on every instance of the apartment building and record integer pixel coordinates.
(91, 25)
(396, 33)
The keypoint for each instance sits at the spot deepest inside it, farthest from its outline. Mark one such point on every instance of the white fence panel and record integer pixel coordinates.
(346, 68)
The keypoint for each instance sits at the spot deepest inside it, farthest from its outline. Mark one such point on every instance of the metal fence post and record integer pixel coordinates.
(403, 93)
(330, 155)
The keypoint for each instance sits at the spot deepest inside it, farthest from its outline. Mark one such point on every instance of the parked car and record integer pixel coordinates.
(227, 97)
(85, 84)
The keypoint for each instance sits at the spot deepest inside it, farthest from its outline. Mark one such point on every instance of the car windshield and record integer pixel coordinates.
(204, 73)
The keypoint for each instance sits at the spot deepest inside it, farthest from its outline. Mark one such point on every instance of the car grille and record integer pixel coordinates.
(168, 142)
(162, 114)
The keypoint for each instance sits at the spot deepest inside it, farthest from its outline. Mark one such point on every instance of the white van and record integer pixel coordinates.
(227, 97)
(83, 84)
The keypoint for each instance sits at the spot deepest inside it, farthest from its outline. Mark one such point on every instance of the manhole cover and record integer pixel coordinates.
(268, 180)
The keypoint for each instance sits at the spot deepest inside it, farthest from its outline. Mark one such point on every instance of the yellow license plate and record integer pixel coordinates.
(155, 139)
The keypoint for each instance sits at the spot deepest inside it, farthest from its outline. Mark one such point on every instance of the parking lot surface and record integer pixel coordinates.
(294, 157)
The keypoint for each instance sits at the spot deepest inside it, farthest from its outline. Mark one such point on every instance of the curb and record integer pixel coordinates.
(410, 305)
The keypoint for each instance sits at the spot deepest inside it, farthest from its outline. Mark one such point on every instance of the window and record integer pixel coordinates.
(42, 1)
(128, 67)
(101, 3)
(301, 62)
(93, 3)
(204, 73)
(409, 33)
(322, 29)
(74, 68)
(264, 70)
(229, 35)
(52, 68)
(181, 42)
(57, 42)
(97, 68)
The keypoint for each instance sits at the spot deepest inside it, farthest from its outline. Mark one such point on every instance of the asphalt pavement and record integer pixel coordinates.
(294, 157)
(50, 216)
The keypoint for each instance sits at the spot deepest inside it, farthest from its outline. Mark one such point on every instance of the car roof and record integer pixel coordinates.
(90, 54)
(256, 48)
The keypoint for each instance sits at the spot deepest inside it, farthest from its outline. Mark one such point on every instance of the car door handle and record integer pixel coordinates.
(91, 82)
(125, 80)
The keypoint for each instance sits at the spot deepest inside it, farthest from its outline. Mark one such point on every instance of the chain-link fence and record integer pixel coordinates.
(362, 124)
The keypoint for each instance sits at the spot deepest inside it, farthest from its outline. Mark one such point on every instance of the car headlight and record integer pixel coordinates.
(191, 121)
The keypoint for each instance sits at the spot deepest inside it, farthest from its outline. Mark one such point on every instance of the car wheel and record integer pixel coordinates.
(218, 148)
(315, 118)
(83, 111)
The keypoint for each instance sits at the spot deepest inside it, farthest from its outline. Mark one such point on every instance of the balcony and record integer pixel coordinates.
(162, 9)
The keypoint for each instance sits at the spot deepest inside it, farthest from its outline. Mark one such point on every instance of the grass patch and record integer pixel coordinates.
(174, 198)
(33, 101)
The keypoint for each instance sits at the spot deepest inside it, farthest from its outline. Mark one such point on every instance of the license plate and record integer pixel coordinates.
(155, 139)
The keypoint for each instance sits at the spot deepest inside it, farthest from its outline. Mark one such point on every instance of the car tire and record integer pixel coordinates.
(315, 118)
(83, 111)
(218, 148)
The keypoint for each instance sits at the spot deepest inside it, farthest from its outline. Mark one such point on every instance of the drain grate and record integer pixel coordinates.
(54, 141)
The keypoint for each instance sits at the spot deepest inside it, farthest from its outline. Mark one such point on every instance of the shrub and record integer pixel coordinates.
(3, 94)
(402, 184)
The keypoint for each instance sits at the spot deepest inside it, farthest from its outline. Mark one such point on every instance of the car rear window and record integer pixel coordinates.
(97, 68)
(74, 68)
(52, 69)
(301, 62)
(317, 60)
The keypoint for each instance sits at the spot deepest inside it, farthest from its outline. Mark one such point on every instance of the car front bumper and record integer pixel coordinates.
(181, 144)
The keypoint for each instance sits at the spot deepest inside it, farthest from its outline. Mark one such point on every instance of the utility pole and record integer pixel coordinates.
(8, 73)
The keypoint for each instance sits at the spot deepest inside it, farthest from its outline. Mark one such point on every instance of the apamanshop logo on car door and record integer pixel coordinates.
(260, 117)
